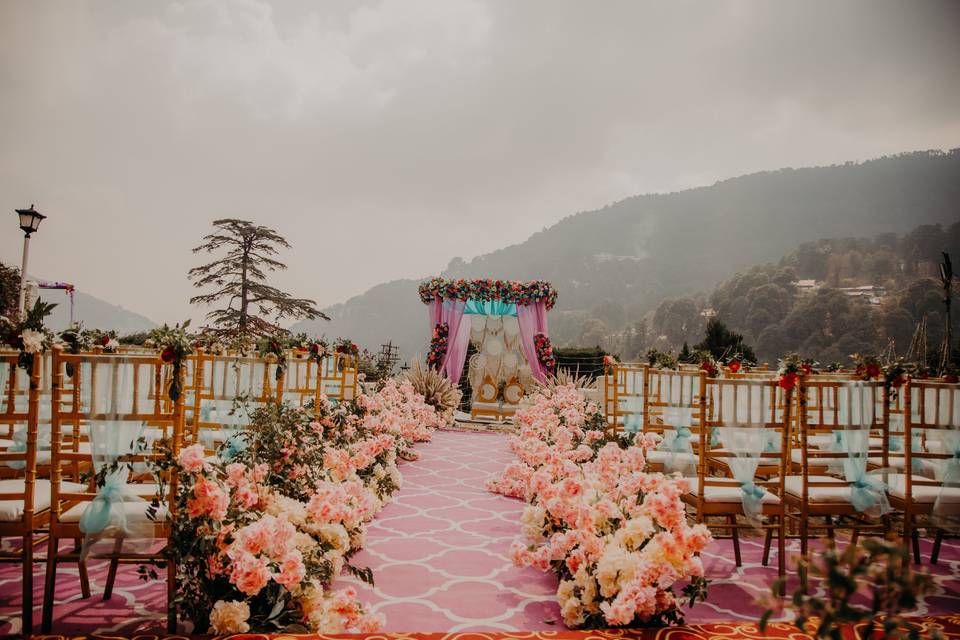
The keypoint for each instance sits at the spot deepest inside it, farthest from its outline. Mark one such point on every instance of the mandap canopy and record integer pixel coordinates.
(451, 300)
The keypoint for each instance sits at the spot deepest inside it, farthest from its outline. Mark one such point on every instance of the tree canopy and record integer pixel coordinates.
(239, 281)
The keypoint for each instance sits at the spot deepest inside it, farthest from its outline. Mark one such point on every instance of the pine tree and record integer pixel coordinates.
(685, 355)
(239, 280)
(722, 343)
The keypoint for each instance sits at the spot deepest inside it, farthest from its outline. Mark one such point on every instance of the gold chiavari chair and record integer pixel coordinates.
(749, 420)
(843, 426)
(929, 486)
(339, 377)
(674, 408)
(624, 397)
(24, 500)
(301, 379)
(226, 390)
(117, 396)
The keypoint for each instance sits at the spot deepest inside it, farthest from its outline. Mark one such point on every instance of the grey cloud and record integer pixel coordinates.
(391, 136)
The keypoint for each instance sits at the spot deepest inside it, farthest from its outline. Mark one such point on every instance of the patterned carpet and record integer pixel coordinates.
(440, 556)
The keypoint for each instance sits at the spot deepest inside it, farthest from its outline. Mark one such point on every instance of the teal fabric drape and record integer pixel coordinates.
(489, 308)
(633, 421)
(746, 444)
(946, 509)
(677, 441)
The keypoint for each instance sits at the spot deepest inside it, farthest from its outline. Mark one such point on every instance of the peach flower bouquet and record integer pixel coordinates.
(616, 536)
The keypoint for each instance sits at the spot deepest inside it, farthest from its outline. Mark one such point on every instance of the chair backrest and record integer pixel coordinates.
(301, 380)
(339, 377)
(23, 417)
(672, 392)
(116, 396)
(624, 395)
(931, 443)
(746, 426)
(843, 424)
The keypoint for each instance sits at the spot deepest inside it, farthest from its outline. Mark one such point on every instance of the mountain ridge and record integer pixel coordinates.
(617, 262)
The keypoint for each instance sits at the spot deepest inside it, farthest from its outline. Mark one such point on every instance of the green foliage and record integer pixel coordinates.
(723, 344)
(580, 361)
(878, 572)
(9, 290)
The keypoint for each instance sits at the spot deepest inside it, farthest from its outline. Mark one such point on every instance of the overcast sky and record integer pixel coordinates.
(384, 138)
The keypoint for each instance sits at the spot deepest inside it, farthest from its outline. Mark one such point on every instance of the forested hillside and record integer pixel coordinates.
(615, 265)
(832, 313)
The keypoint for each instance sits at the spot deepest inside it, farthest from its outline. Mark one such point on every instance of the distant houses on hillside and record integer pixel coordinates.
(869, 293)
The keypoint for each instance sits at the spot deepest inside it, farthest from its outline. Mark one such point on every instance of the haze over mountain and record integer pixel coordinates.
(620, 261)
(94, 313)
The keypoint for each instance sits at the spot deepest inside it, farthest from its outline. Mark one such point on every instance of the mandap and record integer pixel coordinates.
(506, 322)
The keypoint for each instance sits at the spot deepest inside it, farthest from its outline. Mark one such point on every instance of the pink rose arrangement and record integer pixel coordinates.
(258, 542)
(616, 536)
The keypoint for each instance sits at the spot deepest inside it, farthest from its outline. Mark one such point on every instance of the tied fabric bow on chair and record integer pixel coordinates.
(113, 439)
(946, 508)
(677, 441)
(633, 421)
(234, 444)
(746, 444)
(20, 444)
(867, 491)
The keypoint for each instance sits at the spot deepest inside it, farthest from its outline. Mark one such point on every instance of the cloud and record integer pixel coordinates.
(385, 137)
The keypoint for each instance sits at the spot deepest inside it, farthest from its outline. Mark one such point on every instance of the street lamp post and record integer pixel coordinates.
(29, 222)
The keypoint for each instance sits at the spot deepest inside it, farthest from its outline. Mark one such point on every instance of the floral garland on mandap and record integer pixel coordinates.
(521, 293)
(616, 536)
(438, 345)
(260, 535)
(545, 353)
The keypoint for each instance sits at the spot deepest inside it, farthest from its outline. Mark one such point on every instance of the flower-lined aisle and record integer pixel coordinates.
(440, 551)
(616, 536)
(262, 530)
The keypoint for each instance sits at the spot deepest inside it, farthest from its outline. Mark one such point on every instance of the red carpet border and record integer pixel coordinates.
(949, 626)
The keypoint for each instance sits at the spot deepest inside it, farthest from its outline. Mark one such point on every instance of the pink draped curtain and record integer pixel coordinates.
(458, 338)
(532, 319)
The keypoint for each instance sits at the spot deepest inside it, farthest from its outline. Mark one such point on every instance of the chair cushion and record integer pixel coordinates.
(135, 510)
(12, 510)
(897, 487)
(658, 456)
(794, 486)
(726, 493)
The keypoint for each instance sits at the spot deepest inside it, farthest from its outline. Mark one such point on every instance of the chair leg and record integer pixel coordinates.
(114, 565)
(829, 521)
(916, 545)
(27, 622)
(935, 553)
(854, 537)
(766, 547)
(50, 584)
(782, 551)
(907, 536)
(736, 538)
(82, 569)
(804, 549)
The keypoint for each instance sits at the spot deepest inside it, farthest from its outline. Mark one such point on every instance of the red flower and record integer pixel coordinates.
(807, 368)
(734, 366)
(873, 371)
(104, 340)
(788, 380)
(168, 355)
(709, 368)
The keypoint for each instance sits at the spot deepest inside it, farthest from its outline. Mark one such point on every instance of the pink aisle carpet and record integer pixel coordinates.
(440, 557)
